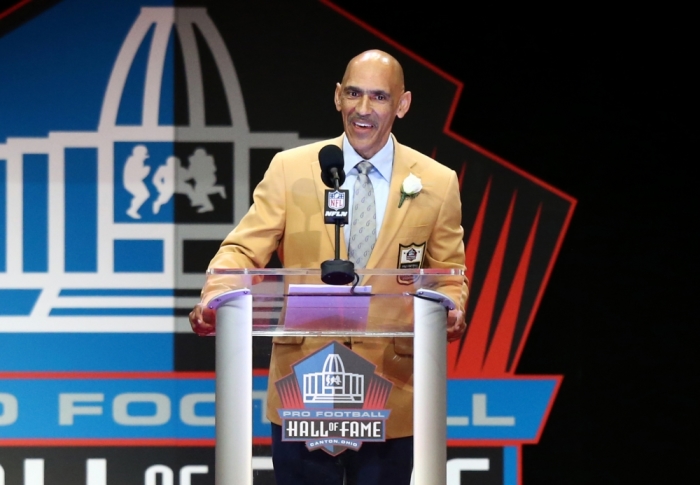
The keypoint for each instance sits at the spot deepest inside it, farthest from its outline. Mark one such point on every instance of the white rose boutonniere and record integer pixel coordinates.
(410, 188)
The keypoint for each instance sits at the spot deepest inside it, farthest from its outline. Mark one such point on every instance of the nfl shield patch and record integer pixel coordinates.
(336, 200)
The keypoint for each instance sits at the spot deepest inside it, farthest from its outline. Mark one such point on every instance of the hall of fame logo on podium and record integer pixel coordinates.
(333, 400)
(333, 384)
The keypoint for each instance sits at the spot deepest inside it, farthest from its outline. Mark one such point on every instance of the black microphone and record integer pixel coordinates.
(332, 163)
(336, 207)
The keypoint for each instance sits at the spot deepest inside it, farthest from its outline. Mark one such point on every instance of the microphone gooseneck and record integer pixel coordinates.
(335, 271)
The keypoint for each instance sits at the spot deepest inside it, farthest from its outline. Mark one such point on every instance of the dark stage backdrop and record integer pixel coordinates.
(587, 107)
(597, 102)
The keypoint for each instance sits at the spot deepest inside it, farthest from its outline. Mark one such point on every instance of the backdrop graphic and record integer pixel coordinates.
(129, 146)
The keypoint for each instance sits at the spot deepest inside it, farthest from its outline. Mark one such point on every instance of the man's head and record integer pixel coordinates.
(370, 96)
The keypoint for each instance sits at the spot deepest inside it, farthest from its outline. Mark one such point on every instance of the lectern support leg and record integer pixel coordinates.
(234, 387)
(430, 393)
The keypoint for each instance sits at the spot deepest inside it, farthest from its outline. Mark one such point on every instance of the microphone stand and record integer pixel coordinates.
(337, 271)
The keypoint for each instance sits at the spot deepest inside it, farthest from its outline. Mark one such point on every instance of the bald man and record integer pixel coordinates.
(287, 217)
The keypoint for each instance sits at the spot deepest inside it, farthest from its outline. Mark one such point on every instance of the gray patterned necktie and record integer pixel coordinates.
(363, 227)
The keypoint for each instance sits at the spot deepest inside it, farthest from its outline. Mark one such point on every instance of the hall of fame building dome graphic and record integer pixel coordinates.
(333, 384)
(97, 222)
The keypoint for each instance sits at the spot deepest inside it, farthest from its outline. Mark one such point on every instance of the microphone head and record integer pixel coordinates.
(331, 157)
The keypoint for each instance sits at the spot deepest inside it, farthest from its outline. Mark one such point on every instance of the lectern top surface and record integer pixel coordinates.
(295, 302)
(315, 271)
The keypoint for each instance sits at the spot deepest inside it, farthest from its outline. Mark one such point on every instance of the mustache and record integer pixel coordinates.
(363, 119)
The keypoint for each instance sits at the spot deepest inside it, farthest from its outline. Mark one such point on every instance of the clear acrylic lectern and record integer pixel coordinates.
(390, 304)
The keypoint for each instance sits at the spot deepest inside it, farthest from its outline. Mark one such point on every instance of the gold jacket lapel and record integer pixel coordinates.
(393, 216)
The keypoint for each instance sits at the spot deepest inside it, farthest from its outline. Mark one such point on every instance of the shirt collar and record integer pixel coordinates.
(382, 160)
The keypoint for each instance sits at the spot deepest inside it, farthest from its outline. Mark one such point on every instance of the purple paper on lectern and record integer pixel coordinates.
(327, 308)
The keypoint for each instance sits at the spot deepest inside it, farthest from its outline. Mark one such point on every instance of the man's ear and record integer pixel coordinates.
(336, 97)
(404, 104)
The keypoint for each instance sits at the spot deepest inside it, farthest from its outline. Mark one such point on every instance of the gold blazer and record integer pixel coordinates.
(287, 217)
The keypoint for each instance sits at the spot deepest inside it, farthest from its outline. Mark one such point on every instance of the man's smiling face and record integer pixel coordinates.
(369, 98)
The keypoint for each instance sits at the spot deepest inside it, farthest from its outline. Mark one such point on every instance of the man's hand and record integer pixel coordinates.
(455, 325)
(203, 320)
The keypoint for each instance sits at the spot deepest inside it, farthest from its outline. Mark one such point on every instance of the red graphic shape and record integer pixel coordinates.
(377, 394)
(472, 249)
(476, 341)
(289, 394)
(499, 351)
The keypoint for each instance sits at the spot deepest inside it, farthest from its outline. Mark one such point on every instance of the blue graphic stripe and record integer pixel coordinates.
(506, 409)
(112, 312)
(138, 256)
(35, 203)
(166, 111)
(86, 352)
(117, 292)
(131, 105)
(17, 302)
(3, 216)
(190, 402)
(510, 465)
(81, 210)
(148, 399)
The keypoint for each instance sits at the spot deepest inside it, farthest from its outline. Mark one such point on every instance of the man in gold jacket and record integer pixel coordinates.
(287, 217)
